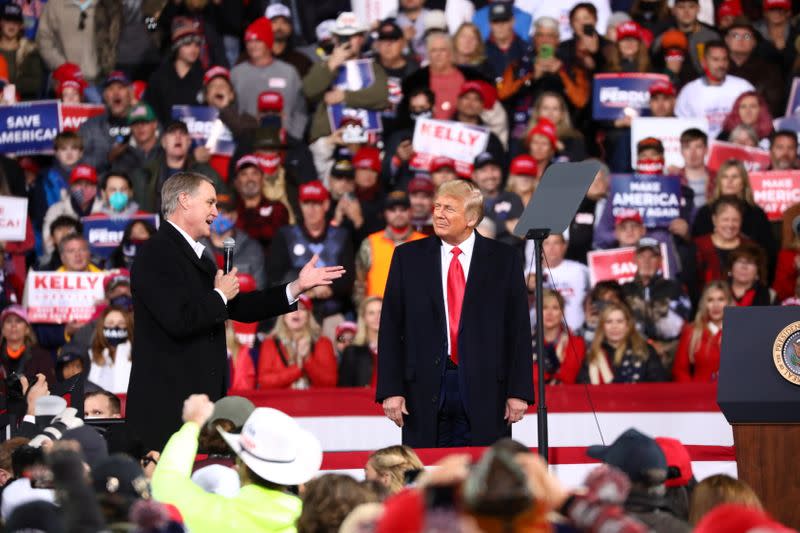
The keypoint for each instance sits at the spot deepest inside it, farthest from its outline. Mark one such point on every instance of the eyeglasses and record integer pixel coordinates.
(82, 21)
(741, 36)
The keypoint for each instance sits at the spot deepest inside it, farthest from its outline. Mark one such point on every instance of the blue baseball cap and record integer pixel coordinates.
(634, 453)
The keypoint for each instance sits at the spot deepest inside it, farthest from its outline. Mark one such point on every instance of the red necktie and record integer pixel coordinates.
(455, 298)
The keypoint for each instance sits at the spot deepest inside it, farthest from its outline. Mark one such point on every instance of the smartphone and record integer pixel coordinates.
(546, 51)
(588, 30)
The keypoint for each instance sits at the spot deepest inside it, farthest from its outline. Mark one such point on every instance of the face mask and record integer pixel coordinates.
(650, 166)
(118, 200)
(80, 195)
(126, 302)
(115, 336)
(221, 224)
(421, 114)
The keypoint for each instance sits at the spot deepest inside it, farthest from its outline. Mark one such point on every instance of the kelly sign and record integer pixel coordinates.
(657, 198)
(205, 128)
(775, 190)
(105, 233)
(616, 94)
(29, 127)
(61, 297)
(669, 131)
(460, 142)
(13, 215)
(618, 264)
(753, 158)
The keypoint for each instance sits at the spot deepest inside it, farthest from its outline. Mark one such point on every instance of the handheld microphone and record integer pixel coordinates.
(227, 251)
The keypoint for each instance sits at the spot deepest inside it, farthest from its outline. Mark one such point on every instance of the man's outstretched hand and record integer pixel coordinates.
(312, 276)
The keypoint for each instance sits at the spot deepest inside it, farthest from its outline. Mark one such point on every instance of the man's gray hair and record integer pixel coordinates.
(182, 182)
(68, 239)
(546, 23)
(438, 34)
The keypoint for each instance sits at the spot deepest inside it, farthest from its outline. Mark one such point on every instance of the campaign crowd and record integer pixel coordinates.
(333, 125)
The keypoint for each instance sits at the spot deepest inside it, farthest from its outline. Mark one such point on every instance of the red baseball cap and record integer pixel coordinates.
(216, 72)
(247, 161)
(628, 215)
(346, 326)
(524, 165)
(260, 30)
(423, 185)
(677, 456)
(544, 127)
(777, 4)
(730, 8)
(367, 157)
(471, 86)
(441, 162)
(662, 87)
(270, 101)
(629, 29)
(83, 172)
(313, 191)
(120, 277)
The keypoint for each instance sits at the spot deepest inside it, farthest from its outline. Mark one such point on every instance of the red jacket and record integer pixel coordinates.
(706, 357)
(320, 367)
(786, 274)
(243, 373)
(574, 352)
(708, 264)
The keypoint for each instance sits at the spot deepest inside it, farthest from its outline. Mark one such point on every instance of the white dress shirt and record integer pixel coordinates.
(198, 250)
(465, 257)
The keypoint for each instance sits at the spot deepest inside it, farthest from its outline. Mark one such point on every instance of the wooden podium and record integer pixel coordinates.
(759, 394)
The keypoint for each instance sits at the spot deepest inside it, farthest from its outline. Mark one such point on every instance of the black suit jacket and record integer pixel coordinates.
(179, 332)
(494, 343)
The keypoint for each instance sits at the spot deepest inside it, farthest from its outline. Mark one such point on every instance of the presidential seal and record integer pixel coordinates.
(786, 353)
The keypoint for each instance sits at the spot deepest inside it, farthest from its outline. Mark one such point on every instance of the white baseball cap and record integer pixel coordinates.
(347, 24)
(278, 10)
(324, 30)
(276, 448)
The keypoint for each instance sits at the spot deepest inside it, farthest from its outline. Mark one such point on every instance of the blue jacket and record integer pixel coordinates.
(523, 23)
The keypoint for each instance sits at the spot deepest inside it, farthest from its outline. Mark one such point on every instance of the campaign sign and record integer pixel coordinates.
(793, 105)
(775, 190)
(105, 233)
(13, 218)
(616, 94)
(29, 127)
(657, 198)
(60, 297)
(753, 158)
(368, 11)
(458, 141)
(669, 131)
(618, 264)
(205, 128)
(74, 115)
(354, 75)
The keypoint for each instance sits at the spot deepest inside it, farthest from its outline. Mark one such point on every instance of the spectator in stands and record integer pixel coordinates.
(269, 149)
(101, 404)
(117, 196)
(20, 353)
(586, 46)
(258, 216)
(341, 183)
(776, 26)
(359, 363)
(563, 352)
(694, 148)
(673, 59)
(568, 277)
(713, 95)
(111, 350)
(659, 305)
(148, 180)
(628, 228)
(62, 226)
(52, 183)
(144, 146)
(249, 78)
(502, 207)
(134, 235)
(390, 47)
(783, 150)
(662, 99)
(552, 106)
(179, 78)
(442, 169)
(74, 252)
(765, 75)
(542, 142)
(749, 109)
(582, 227)
(732, 179)
(264, 502)
(420, 196)
(697, 358)
(343, 337)
(411, 18)
(389, 466)
(684, 13)
(21, 55)
(105, 136)
(281, 18)
(651, 15)
(333, 245)
(82, 199)
(375, 254)
(748, 275)
(642, 460)
(503, 47)
(318, 85)
(713, 250)
(296, 355)
(369, 195)
(328, 499)
(68, 83)
(717, 490)
(522, 178)
(469, 49)
(629, 53)
(788, 266)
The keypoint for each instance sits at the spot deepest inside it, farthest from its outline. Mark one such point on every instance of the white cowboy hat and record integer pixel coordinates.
(276, 448)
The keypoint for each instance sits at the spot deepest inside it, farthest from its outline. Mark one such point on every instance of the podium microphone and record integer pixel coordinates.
(227, 252)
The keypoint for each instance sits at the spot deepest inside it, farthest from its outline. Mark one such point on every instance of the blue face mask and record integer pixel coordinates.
(126, 302)
(118, 200)
(221, 224)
